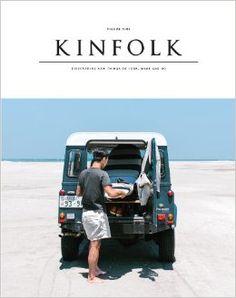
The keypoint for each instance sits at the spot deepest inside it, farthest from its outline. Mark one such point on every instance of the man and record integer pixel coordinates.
(92, 184)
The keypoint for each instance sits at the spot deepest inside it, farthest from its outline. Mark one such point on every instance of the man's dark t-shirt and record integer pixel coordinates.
(92, 182)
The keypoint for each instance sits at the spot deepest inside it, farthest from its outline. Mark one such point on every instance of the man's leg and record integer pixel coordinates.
(93, 257)
(98, 270)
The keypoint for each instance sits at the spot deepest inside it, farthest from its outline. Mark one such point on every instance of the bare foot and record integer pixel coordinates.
(100, 272)
(95, 280)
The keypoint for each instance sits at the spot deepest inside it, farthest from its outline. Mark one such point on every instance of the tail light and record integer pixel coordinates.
(62, 217)
(170, 193)
(62, 192)
(170, 218)
(161, 217)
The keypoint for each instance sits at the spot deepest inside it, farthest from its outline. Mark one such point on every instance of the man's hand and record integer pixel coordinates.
(123, 195)
(78, 191)
(114, 193)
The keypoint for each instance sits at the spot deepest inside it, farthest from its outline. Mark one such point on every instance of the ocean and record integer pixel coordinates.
(62, 160)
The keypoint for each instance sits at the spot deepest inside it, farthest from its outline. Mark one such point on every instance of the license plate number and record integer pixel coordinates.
(70, 202)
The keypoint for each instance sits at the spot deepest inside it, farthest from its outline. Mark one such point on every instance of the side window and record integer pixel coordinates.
(163, 170)
(74, 163)
(89, 159)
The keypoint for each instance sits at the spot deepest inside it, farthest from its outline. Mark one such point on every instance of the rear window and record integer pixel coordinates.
(74, 163)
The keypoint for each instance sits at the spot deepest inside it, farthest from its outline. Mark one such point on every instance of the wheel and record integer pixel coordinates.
(70, 247)
(166, 241)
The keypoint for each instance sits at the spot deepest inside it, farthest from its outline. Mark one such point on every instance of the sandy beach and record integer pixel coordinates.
(31, 264)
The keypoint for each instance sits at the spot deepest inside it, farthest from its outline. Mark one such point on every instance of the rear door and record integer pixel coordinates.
(75, 162)
(155, 161)
(69, 204)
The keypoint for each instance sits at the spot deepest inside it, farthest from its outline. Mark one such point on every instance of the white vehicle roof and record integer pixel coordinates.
(81, 138)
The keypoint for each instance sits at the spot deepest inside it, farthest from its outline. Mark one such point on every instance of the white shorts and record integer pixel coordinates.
(96, 225)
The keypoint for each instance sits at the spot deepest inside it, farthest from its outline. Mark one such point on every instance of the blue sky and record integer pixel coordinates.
(195, 129)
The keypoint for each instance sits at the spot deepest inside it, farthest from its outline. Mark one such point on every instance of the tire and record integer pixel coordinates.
(70, 248)
(166, 241)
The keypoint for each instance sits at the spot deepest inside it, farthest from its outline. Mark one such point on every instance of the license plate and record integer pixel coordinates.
(70, 202)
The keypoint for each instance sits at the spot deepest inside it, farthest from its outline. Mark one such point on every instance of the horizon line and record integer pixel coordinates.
(62, 159)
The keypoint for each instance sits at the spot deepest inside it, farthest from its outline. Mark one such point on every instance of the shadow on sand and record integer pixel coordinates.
(119, 260)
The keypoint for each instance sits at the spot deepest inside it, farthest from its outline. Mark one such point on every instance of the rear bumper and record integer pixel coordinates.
(123, 228)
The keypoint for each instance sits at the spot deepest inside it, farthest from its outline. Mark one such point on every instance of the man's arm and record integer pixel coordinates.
(78, 191)
(114, 193)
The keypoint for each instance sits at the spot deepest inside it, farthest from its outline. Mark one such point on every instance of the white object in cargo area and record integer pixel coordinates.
(148, 158)
(127, 188)
(144, 185)
(144, 188)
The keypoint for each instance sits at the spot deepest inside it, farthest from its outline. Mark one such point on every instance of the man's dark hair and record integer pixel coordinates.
(99, 154)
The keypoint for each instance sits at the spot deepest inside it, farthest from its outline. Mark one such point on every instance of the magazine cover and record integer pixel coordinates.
(118, 148)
